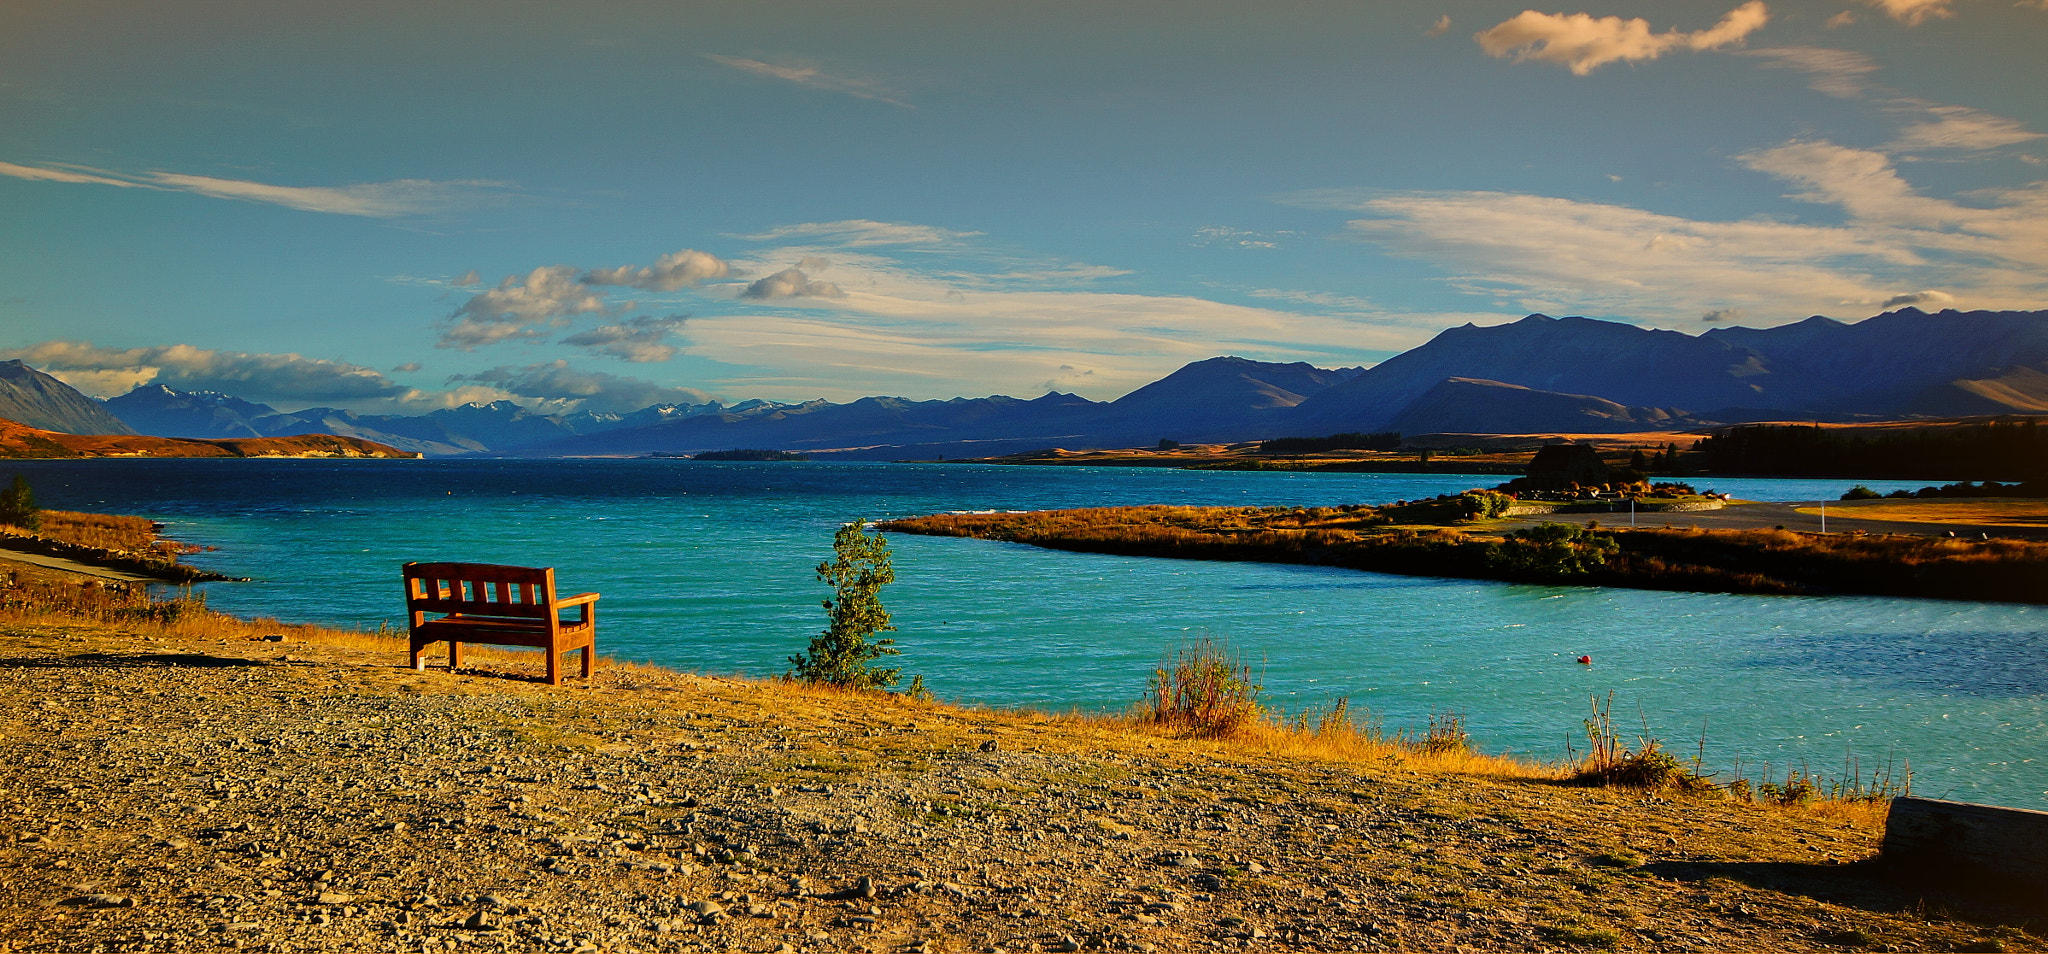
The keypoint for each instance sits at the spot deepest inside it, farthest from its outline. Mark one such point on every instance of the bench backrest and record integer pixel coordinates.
(480, 589)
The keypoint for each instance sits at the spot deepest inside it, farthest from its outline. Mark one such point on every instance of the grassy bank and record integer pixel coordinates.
(126, 543)
(1366, 538)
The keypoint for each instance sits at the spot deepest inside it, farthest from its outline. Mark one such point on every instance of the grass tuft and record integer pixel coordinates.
(1205, 690)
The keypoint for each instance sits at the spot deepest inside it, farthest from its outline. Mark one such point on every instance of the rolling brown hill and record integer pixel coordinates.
(19, 440)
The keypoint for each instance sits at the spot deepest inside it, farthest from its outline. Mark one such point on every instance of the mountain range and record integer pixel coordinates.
(1535, 375)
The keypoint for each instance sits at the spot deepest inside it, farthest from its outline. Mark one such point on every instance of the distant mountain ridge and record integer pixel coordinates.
(1539, 374)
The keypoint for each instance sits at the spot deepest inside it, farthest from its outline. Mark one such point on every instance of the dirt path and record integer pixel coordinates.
(73, 566)
(206, 795)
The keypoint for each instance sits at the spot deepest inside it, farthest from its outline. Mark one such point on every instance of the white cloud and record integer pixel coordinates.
(940, 329)
(264, 378)
(858, 233)
(1960, 127)
(555, 386)
(1049, 274)
(1210, 236)
(1583, 42)
(1320, 299)
(1839, 73)
(1552, 255)
(926, 332)
(671, 272)
(1846, 74)
(520, 306)
(529, 306)
(65, 174)
(640, 340)
(382, 200)
(804, 74)
(1930, 298)
(1440, 27)
(1913, 12)
(1863, 183)
(791, 283)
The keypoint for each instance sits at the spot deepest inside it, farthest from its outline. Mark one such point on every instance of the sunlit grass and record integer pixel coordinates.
(1202, 700)
(121, 534)
(2024, 511)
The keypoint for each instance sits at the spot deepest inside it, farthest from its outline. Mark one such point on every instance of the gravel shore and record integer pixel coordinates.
(192, 795)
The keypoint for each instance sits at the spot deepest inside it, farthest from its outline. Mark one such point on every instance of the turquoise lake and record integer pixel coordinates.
(708, 567)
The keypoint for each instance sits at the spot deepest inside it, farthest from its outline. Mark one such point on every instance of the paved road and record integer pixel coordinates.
(1760, 516)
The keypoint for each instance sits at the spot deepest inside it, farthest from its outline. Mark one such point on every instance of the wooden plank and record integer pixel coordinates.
(2010, 843)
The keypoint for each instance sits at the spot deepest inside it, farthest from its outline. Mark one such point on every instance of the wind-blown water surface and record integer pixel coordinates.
(709, 567)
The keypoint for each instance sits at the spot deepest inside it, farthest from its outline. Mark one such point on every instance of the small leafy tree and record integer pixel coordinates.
(843, 654)
(1550, 550)
(18, 505)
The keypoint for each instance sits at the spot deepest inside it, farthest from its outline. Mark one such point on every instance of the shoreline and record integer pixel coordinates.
(317, 795)
(1758, 559)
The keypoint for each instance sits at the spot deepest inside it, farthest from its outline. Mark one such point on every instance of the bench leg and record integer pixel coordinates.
(554, 666)
(419, 659)
(454, 655)
(588, 652)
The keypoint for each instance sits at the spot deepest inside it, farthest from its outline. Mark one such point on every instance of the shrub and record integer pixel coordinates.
(1484, 504)
(1647, 767)
(1205, 690)
(843, 655)
(1860, 492)
(1552, 549)
(1446, 734)
(18, 505)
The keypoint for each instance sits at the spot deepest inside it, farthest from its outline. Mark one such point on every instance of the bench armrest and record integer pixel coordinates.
(577, 600)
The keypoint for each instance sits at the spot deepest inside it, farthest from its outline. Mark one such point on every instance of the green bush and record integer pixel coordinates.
(1552, 550)
(1484, 504)
(18, 506)
(843, 655)
(1860, 492)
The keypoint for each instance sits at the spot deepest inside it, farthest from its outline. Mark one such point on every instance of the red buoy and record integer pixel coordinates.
(1586, 660)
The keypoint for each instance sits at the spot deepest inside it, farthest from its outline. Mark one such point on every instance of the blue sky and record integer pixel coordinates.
(401, 206)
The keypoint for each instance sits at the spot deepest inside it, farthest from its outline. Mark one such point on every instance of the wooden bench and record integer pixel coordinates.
(1957, 843)
(499, 605)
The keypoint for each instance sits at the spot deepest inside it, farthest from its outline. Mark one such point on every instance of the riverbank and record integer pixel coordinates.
(1762, 560)
(195, 782)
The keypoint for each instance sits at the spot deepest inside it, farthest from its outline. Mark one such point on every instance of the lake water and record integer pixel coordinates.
(708, 567)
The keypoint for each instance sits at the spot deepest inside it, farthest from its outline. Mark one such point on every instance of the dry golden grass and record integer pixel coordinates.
(1332, 734)
(103, 531)
(1984, 513)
